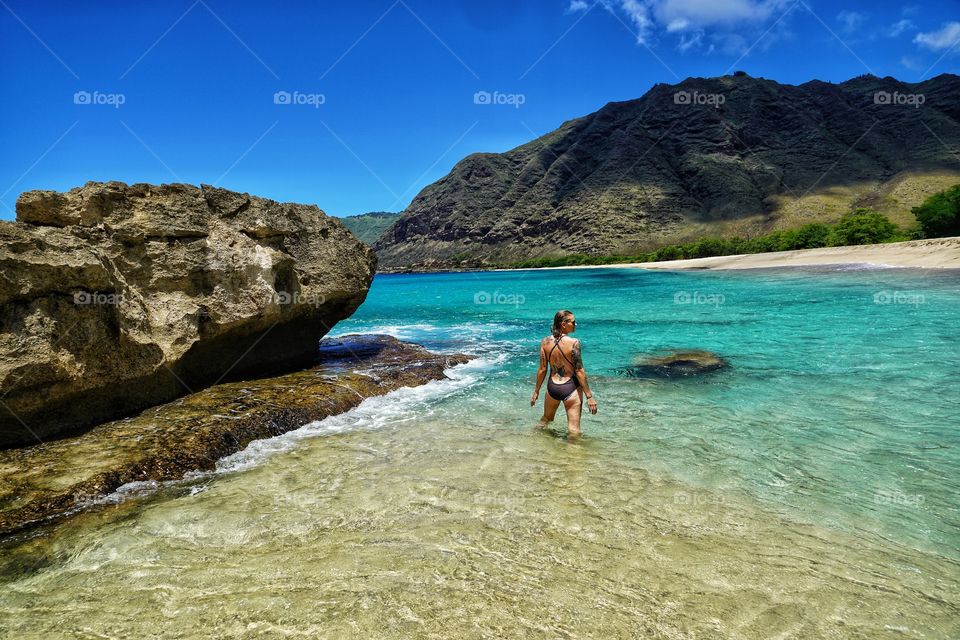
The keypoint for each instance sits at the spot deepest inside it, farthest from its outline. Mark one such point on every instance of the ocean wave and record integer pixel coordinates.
(861, 266)
(373, 413)
(399, 405)
(398, 331)
(479, 339)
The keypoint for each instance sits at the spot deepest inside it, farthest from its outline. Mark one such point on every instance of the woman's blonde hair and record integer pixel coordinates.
(558, 319)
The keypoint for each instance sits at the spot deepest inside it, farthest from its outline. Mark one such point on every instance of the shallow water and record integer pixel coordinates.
(808, 491)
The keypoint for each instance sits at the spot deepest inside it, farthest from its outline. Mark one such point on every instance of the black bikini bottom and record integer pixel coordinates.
(560, 390)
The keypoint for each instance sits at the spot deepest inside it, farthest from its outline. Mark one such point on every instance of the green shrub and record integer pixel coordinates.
(939, 215)
(863, 226)
(707, 247)
(811, 236)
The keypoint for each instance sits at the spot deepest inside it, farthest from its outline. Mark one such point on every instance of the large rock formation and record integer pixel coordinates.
(732, 155)
(117, 297)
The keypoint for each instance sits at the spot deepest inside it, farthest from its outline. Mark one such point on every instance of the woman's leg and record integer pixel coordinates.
(550, 406)
(574, 406)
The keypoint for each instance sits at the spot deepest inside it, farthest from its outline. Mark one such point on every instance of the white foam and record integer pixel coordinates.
(411, 331)
(400, 405)
(398, 331)
(121, 493)
(863, 266)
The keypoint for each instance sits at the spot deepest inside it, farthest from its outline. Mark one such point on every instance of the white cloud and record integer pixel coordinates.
(729, 44)
(640, 16)
(728, 27)
(697, 14)
(900, 26)
(688, 41)
(911, 63)
(944, 38)
(694, 21)
(850, 21)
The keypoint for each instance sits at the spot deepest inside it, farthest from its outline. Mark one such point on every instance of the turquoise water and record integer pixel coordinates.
(808, 491)
(840, 407)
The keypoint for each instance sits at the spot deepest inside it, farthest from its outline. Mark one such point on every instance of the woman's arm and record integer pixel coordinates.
(581, 373)
(541, 374)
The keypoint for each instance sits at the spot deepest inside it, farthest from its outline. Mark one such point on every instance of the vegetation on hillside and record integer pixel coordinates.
(369, 226)
(939, 215)
(862, 226)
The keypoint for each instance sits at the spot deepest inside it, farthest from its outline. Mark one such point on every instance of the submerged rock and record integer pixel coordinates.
(677, 364)
(114, 298)
(49, 480)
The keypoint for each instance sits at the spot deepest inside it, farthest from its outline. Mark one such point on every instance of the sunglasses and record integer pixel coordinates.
(571, 321)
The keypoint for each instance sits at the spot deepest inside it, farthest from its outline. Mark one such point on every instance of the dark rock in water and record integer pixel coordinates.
(47, 481)
(677, 364)
(114, 298)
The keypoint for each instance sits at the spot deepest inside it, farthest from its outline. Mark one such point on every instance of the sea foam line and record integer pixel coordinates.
(371, 414)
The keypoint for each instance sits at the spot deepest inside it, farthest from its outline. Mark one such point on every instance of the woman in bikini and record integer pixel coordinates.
(568, 381)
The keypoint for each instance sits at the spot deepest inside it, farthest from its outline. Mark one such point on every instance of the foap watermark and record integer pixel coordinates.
(497, 297)
(899, 498)
(298, 297)
(898, 297)
(697, 499)
(512, 99)
(299, 98)
(697, 98)
(699, 297)
(97, 298)
(900, 99)
(114, 100)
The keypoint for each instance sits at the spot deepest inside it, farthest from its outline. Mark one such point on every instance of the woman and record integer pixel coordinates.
(568, 380)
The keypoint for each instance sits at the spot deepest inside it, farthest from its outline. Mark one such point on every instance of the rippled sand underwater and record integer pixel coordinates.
(465, 531)
(743, 505)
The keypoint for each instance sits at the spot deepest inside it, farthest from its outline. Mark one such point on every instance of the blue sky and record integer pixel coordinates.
(357, 106)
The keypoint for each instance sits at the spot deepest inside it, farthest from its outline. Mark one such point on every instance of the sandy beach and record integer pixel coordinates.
(935, 253)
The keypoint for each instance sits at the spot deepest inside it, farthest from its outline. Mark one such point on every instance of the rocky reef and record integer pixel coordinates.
(676, 364)
(46, 481)
(118, 297)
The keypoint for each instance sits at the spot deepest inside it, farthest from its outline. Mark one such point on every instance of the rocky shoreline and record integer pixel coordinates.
(46, 482)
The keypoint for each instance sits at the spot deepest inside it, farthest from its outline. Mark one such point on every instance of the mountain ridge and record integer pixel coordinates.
(369, 226)
(706, 155)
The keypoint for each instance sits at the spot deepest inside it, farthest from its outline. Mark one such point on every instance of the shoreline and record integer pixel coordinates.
(930, 253)
(50, 481)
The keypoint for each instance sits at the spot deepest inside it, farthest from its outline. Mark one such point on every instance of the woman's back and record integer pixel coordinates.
(563, 355)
